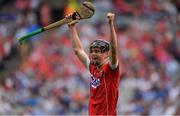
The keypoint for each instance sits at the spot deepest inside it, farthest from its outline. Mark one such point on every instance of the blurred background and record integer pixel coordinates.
(44, 76)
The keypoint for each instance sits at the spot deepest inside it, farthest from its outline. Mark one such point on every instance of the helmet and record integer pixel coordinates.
(102, 44)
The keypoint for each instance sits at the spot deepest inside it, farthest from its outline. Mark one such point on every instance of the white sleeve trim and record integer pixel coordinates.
(87, 63)
(114, 66)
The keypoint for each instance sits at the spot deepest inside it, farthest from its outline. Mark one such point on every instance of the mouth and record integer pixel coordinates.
(95, 61)
(94, 58)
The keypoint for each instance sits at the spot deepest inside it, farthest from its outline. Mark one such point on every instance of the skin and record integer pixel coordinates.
(96, 57)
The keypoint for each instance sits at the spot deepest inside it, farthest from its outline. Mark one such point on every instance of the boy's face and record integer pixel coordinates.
(96, 56)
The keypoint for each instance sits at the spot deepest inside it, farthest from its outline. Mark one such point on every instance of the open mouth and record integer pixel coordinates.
(95, 58)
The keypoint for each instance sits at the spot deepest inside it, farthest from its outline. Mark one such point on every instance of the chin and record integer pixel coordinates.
(96, 63)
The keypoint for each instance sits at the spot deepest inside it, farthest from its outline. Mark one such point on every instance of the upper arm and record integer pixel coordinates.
(83, 57)
(113, 58)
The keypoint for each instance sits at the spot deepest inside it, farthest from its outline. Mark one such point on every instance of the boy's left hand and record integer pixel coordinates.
(110, 16)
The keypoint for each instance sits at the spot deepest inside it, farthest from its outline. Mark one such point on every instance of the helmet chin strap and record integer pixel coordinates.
(105, 60)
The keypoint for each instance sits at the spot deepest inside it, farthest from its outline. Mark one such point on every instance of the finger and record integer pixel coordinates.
(77, 17)
(69, 16)
(73, 22)
(109, 15)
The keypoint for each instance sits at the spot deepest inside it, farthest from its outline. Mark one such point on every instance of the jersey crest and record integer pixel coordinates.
(95, 82)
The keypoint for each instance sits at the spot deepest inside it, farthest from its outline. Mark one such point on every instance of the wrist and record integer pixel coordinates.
(111, 22)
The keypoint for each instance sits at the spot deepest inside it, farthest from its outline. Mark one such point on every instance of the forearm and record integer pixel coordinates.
(77, 47)
(113, 44)
(113, 37)
(76, 43)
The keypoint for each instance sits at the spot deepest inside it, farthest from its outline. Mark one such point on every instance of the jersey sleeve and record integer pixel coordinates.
(87, 63)
(113, 67)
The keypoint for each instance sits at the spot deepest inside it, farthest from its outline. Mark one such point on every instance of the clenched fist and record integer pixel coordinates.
(74, 17)
(110, 17)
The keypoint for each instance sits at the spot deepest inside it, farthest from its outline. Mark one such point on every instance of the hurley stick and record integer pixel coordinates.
(85, 11)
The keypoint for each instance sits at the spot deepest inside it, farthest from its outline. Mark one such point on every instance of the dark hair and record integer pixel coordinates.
(102, 44)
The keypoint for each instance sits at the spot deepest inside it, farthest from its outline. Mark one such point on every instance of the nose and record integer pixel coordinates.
(93, 53)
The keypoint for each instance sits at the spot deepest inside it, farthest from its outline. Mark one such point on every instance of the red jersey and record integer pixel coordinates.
(103, 90)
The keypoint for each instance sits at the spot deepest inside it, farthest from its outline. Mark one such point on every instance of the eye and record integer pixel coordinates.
(95, 50)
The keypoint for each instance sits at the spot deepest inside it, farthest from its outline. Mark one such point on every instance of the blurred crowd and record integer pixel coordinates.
(43, 76)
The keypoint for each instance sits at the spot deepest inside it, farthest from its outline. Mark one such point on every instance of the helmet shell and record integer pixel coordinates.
(99, 43)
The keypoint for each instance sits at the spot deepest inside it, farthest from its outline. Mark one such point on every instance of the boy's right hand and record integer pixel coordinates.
(73, 16)
(72, 23)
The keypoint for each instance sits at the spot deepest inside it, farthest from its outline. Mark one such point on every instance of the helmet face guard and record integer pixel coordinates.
(102, 44)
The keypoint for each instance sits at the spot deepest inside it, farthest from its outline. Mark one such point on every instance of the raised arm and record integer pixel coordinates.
(77, 45)
(113, 42)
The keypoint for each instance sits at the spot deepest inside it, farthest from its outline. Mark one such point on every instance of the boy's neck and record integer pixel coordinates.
(103, 63)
